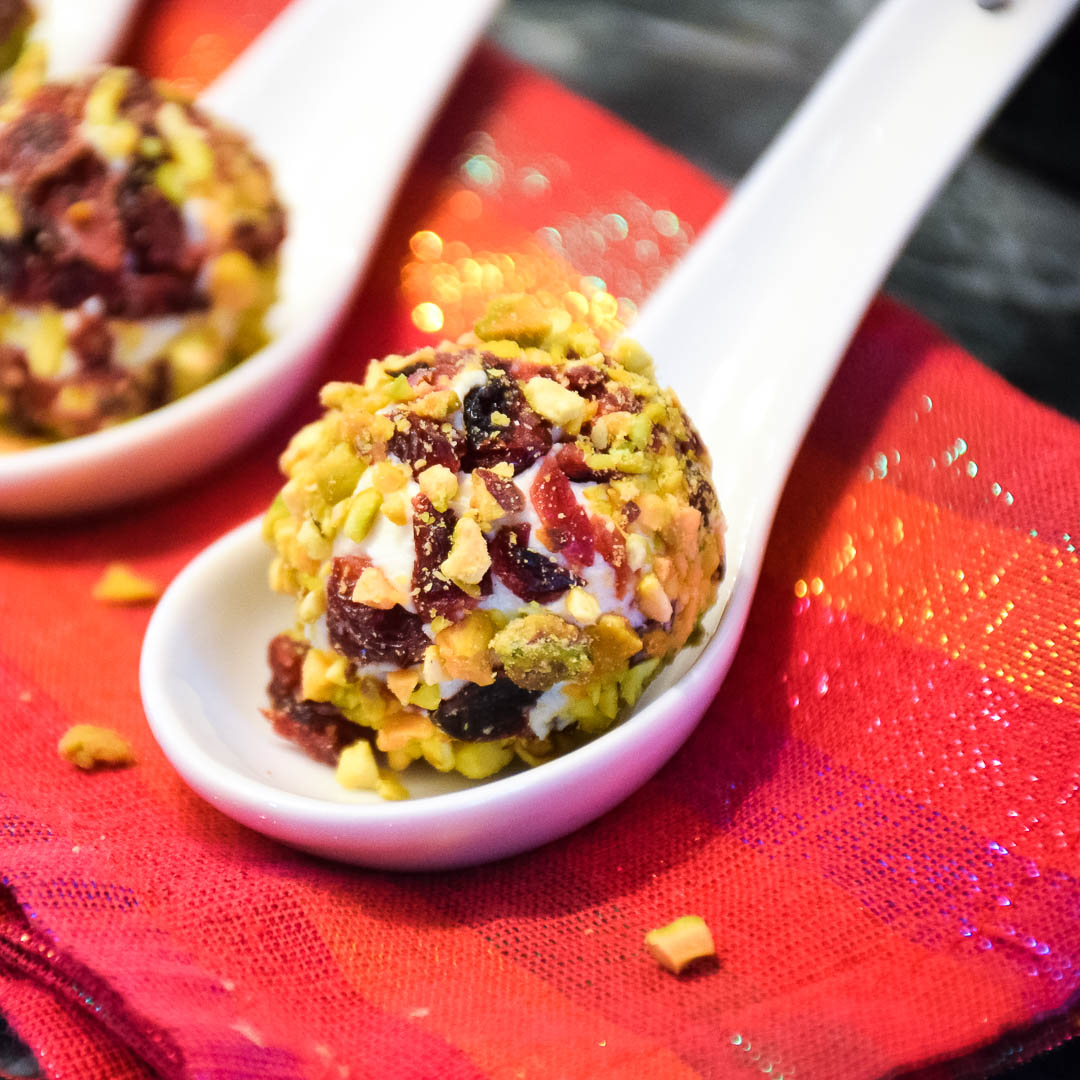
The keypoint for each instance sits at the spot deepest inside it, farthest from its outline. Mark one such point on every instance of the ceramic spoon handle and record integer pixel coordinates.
(750, 327)
(351, 83)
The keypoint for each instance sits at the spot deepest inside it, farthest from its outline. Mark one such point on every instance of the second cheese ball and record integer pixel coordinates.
(493, 546)
(138, 250)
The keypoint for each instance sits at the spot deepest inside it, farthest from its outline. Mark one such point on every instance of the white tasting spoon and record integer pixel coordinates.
(80, 33)
(750, 328)
(335, 95)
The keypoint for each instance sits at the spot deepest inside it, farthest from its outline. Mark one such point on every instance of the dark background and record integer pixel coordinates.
(995, 262)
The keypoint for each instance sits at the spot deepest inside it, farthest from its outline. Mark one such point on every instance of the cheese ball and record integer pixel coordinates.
(138, 250)
(493, 545)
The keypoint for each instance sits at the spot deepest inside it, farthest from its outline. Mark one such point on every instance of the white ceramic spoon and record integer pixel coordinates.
(80, 32)
(335, 94)
(750, 328)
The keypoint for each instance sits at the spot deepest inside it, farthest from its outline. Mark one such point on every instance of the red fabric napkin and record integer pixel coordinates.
(877, 817)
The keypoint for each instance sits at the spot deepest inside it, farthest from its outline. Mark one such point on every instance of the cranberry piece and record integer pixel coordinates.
(135, 296)
(584, 379)
(527, 573)
(571, 459)
(286, 658)
(505, 492)
(520, 443)
(618, 399)
(39, 143)
(433, 532)
(152, 226)
(365, 634)
(92, 342)
(611, 544)
(702, 496)
(317, 727)
(480, 713)
(259, 240)
(424, 443)
(566, 524)
(529, 369)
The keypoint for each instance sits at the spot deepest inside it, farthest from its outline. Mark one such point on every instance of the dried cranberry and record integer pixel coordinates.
(571, 459)
(527, 573)
(611, 544)
(286, 659)
(584, 379)
(423, 367)
(73, 282)
(529, 369)
(365, 634)
(618, 399)
(136, 296)
(520, 442)
(92, 342)
(566, 524)
(433, 592)
(424, 443)
(702, 495)
(260, 239)
(39, 143)
(505, 492)
(317, 727)
(12, 268)
(480, 713)
(153, 227)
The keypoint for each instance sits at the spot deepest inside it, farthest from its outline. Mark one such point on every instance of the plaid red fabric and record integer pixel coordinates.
(877, 817)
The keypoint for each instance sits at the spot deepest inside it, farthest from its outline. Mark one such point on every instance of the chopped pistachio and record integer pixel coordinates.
(583, 606)
(439, 484)
(519, 318)
(187, 141)
(479, 759)
(121, 585)
(10, 222)
(468, 560)
(87, 746)
(426, 697)
(390, 787)
(537, 651)
(365, 506)
(312, 606)
(387, 476)
(402, 684)
(680, 942)
(555, 403)
(356, 767)
(234, 281)
(652, 599)
(395, 508)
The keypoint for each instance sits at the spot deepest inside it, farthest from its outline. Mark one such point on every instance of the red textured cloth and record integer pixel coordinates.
(877, 817)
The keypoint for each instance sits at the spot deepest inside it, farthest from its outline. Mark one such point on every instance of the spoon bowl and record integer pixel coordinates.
(810, 234)
(338, 143)
(202, 692)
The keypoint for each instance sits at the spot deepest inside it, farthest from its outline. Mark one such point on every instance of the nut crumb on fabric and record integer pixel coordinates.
(680, 943)
(88, 746)
(121, 585)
